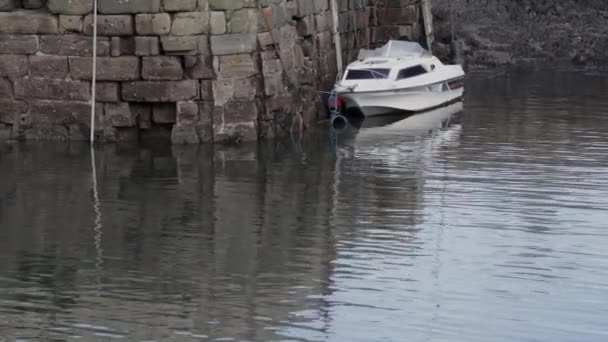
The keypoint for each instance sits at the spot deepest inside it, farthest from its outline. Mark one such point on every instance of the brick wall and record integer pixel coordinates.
(189, 70)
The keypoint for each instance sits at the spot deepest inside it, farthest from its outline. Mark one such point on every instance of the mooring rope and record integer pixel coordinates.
(94, 73)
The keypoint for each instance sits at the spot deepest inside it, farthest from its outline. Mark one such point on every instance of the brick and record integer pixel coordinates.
(162, 68)
(18, 44)
(119, 115)
(235, 66)
(167, 91)
(58, 112)
(146, 46)
(6, 89)
(48, 66)
(153, 24)
(190, 23)
(28, 23)
(179, 5)
(70, 6)
(217, 22)
(73, 45)
(13, 65)
(70, 23)
(10, 109)
(198, 67)
(163, 113)
(48, 89)
(110, 25)
(233, 44)
(130, 6)
(107, 92)
(124, 68)
(120, 46)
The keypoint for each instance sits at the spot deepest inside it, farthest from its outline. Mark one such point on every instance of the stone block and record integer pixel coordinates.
(223, 91)
(128, 6)
(179, 5)
(166, 91)
(123, 68)
(238, 111)
(206, 90)
(233, 44)
(10, 109)
(162, 68)
(153, 24)
(46, 132)
(235, 66)
(188, 45)
(120, 46)
(223, 5)
(184, 135)
(70, 6)
(198, 67)
(217, 22)
(110, 25)
(48, 66)
(244, 21)
(28, 23)
(187, 113)
(143, 113)
(164, 113)
(13, 65)
(49, 89)
(190, 23)
(397, 16)
(33, 4)
(146, 46)
(7, 5)
(119, 115)
(73, 45)
(6, 89)
(59, 112)
(18, 44)
(70, 24)
(305, 27)
(107, 92)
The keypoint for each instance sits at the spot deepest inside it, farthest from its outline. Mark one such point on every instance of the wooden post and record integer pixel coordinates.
(427, 18)
(337, 41)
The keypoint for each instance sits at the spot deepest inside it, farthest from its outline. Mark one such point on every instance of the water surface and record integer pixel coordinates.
(492, 226)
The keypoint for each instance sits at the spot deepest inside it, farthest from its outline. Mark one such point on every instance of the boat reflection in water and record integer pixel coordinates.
(400, 127)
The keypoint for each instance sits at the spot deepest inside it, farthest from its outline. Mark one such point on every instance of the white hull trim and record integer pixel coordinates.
(390, 101)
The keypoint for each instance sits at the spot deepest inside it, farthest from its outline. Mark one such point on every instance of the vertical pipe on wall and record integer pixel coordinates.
(94, 73)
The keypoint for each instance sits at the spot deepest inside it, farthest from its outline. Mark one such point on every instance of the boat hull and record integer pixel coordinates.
(390, 101)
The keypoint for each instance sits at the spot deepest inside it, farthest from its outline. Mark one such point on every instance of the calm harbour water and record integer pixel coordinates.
(493, 227)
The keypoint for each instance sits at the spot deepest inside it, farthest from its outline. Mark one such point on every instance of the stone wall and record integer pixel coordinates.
(530, 33)
(193, 71)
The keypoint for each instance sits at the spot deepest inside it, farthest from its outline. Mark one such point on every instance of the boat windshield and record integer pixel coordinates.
(395, 49)
(367, 74)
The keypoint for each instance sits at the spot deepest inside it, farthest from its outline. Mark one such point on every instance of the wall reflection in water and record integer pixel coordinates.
(168, 243)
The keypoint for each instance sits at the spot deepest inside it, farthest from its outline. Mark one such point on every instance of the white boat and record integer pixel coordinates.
(400, 76)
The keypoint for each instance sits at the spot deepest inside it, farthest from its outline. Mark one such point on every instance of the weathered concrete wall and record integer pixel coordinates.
(190, 70)
(526, 32)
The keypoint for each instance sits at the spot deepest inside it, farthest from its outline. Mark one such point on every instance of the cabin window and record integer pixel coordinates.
(411, 72)
(367, 74)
